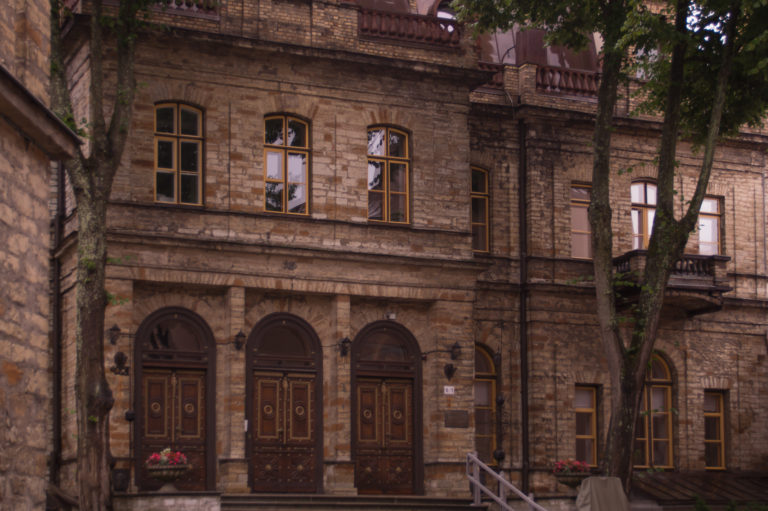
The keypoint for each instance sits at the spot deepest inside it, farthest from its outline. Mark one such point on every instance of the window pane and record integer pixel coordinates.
(579, 218)
(483, 363)
(164, 120)
(650, 193)
(189, 156)
(659, 399)
(375, 179)
(660, 426)
(651, 215)
(479, 184)
(189, 122)
(165, 186)
(482, 393)
(711, 402)
(583, 398)
(636, 222)
(375, 205)
(297, 198)
(165, 154)
(638, 193)
(638, 457)
(397, 177)
(483, 422)
(581, 193)
(478, 210)
(661, 454)
(189, 189)
(659, 370)
(273, 196)
(584, 450)
(710, 206)
(376, 142)
(297, 167)
(584, 424)
(397, 144)
(273, 131)
(479, 235)
(581, 246)
(484, 448)
(275, 165)
(397, 208)
(297, 134)
(712, 455)
(711, 428)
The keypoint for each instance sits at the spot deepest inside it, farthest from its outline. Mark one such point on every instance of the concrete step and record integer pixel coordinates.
(644, 505)
(281, 502)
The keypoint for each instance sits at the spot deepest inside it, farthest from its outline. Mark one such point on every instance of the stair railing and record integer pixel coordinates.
(474, 466)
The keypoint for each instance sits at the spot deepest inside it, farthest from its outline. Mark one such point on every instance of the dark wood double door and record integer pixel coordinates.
(284, 456)
(384, 453)
(174, 405)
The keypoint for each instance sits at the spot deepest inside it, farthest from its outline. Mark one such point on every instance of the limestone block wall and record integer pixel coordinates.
(25, 404)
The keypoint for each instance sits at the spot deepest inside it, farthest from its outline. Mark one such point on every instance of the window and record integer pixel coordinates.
(178, 154)
(585, 406)
(709, 226)
(653, 435)
(388, 163)
(714, 432)
(581, 243)
(286, 161)
(485, 405)
(643, 212)
(479, 210)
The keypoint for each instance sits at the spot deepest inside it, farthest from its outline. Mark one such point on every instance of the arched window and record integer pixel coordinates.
(643, 213)
(653, 434)
(388, 175)
(480, 210)
(485, 405)
(178, 154)
(286, 165)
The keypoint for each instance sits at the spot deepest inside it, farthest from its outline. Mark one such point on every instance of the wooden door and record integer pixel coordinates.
(173, 416)
(384, 454)
(284, 457)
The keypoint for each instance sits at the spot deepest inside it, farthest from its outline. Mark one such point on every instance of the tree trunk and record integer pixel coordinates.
(95, 397)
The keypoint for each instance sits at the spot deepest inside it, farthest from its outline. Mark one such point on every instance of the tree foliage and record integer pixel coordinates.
(706, 68)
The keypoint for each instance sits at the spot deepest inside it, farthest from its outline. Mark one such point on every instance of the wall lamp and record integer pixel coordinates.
(113, 334)
(239, 340)
(344, 345)
(454, 350)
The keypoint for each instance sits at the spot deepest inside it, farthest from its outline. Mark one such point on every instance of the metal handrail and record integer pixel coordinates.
(473, 474)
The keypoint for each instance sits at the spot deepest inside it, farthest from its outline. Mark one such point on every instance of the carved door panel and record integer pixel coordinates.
(173, 416)
(384, 454)
(284, 457)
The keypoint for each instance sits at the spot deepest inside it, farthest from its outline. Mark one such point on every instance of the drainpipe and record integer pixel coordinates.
(522, 181)
(55, 467)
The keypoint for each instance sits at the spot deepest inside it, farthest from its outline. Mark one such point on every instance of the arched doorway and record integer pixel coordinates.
(386, 410)
(175, 356)
(283, 406)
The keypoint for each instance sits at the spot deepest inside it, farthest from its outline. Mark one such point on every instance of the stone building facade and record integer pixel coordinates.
(30, 138)
(345, 249)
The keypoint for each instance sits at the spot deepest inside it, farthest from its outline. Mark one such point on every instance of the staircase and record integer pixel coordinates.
(281, 502)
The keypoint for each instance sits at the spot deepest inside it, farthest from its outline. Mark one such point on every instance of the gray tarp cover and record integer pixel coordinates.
(601, 494)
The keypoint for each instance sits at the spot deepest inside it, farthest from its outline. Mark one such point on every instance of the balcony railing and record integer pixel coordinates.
(411, 28)
(209, 7)
(696, 282)
(567, 81)
(497, 81)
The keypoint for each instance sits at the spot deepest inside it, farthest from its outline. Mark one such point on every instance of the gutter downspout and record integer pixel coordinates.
(522, 182)
(55, 468)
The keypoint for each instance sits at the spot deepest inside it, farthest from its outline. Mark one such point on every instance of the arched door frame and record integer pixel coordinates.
(409, 370)
(209, 364)
(251, 363)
